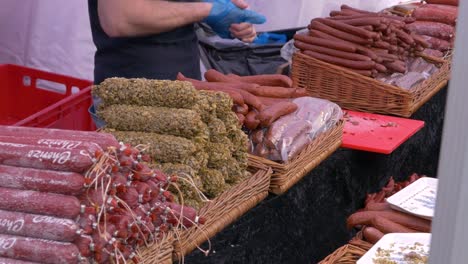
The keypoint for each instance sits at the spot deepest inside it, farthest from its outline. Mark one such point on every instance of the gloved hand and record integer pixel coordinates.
(224, 13)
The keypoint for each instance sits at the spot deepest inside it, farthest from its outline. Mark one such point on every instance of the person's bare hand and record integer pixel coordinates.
(243, 31)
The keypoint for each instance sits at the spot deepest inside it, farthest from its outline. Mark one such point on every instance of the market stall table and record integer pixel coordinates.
(308, 223)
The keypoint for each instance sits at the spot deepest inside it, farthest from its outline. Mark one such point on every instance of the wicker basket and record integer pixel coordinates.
(159, 253)
(349, 253)
(224, 210)
(285, 175)
(357, 92)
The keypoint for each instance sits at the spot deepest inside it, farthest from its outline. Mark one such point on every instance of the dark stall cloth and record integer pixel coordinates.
(308, 222)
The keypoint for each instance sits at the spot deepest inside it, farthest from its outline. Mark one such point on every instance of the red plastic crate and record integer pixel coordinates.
(34, 98)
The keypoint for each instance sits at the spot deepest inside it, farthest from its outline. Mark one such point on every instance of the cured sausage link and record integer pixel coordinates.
(37, 226)
(29, 156)
(38, 250)
(15, 261)
(70, 183)
(51, 204)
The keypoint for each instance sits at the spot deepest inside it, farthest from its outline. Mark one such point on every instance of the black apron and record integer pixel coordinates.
(159, 56)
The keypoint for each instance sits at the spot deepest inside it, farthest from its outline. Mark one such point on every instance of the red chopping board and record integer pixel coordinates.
(377, 133)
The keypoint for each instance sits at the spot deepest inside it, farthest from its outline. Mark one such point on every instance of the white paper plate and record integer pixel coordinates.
(418, 198)
(396, 246)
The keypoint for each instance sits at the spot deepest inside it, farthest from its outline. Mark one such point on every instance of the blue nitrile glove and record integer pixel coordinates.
(270, 38)
(224, 13)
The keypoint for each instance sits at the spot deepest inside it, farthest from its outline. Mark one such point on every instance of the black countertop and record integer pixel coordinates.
(308, 222)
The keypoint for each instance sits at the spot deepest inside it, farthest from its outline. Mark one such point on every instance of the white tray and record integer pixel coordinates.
(418, 198)
(395, 246)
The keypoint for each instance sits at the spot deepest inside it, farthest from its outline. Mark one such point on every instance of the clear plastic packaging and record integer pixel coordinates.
(290, 134)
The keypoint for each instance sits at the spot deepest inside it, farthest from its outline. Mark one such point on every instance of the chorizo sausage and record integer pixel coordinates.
(45, 158)
(41, 180)
(38, 226)
(251, 100)
(104, 140)
(364, 21)
(51, 204)
(15, 261)
(436, 43)
(38, 250)
(443, 2)
(433, 29)
(395, 66)
(331, 52)
(358, 65)
(330, 43)
(339, 34)
(251, 122)
(273, 112)
(266, 80)
(435, 14)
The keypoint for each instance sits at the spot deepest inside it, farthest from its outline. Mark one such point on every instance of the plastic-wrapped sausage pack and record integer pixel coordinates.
(80, 197)
(291, 133)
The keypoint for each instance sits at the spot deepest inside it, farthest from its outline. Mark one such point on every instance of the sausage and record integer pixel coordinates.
(83, 243)
(216, 76)
(130, 197)
(251, 100)
(266, 80)
(386, 226)
(338, 25)
(334, 44)
(273, 112)
(53, 143)
(50, 204)
(372, 235)
(37, 226)
(378, 207)
(44, 158)
(15, 261)
(241, 118)
(433, 53)
(343, 13)
(38, 250)
(443, 2)
(41, 180)
(405, 37)
(199, 85)
(104, 140)
(433, 29)
(420, 40)
(339, 34)
(241, 109)
(272, 91)
(395, 66)
(412, 222)
(380, 68)
(346, 7)
(267, 101)
(331, 52)
(251, 122)
(358, 65)
(436, 43)
(382, 45)
(364, 21)
(257, 136)
(436, 14)
(188, 214)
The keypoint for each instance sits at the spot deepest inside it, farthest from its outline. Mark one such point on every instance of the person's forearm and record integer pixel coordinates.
(128, 18)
